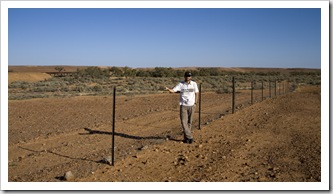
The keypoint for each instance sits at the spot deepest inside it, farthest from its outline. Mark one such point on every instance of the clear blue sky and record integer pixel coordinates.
(213, 37)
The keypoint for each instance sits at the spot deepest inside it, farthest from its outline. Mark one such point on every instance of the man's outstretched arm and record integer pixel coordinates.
(170, 90)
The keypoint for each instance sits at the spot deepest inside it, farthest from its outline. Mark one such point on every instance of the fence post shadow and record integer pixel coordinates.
(61, 155)
(91, 131)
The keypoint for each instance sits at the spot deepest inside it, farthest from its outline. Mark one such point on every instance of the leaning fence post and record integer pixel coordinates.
(200, 106)
(233, 95)
(113, 122)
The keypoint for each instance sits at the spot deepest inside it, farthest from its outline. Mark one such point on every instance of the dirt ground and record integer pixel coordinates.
(276, 140)
(28, 77)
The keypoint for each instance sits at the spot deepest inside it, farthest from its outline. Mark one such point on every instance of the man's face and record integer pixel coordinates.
(187, 79)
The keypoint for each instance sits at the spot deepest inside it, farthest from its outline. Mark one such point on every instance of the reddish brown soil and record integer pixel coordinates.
(276, 140)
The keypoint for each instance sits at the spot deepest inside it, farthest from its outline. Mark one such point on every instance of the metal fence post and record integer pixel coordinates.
(262, 90)
(200, 106)
(252, 92)
(284, 89)
(275, 88)
(113, 122)
(233, 95)
(270, 92)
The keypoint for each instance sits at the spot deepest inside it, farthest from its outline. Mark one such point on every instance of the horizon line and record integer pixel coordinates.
(184, 67)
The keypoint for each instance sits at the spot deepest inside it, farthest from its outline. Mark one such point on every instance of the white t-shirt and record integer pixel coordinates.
(187, 92)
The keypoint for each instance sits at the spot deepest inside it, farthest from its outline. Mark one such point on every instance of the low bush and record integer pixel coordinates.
(97, 81)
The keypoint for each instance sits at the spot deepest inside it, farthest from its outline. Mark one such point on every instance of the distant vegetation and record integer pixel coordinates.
(101, 81)
(59, 69)
(170, 72)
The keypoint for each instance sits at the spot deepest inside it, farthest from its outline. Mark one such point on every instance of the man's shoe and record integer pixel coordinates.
(189, 141)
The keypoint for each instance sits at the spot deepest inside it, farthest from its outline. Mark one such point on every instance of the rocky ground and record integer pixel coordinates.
(276, 140)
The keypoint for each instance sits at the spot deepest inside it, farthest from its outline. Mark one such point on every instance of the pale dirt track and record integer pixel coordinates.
(274, 140)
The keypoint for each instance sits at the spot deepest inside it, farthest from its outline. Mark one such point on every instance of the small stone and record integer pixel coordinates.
(108, 160)
(69, 176)
(143, 148)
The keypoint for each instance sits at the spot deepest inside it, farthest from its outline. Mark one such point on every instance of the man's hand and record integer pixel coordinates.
(170, 90)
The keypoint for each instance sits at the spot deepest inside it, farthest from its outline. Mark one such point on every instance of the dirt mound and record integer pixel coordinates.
(27, 76)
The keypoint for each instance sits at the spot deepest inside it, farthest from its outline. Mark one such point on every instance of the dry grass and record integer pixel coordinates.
(32, 82)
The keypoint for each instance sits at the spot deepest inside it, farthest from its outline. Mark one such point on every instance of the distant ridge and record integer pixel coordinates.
(68, 68)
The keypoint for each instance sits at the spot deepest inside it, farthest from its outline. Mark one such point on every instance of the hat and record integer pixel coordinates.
(188, 74)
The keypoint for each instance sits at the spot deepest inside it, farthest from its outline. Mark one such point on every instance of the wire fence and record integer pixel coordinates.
(75, 132)
(248, 94)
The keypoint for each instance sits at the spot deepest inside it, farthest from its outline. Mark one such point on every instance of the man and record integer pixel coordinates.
(188, 100)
